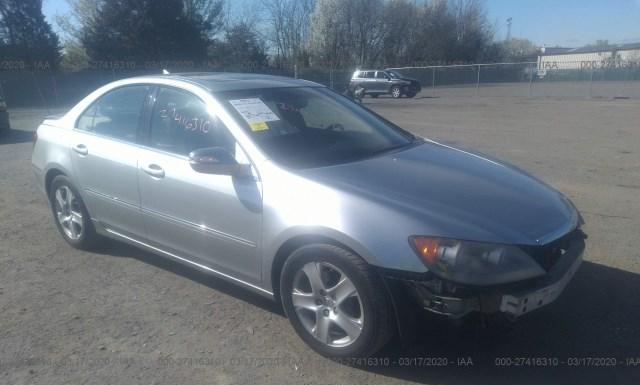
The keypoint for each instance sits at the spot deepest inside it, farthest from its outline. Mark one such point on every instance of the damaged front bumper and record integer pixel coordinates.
(455, 301)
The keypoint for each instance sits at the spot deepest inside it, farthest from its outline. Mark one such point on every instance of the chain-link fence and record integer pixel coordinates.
(530, 79)
(47, 89)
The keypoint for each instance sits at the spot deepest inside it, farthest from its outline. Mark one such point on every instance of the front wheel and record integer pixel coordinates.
(396, 92)
(335, 301)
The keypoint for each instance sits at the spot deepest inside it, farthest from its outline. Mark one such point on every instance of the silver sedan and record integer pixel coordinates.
(301, 195)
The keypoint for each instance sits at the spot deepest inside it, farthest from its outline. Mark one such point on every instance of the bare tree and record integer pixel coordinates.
(347, 32)
(367, 20)
(330, 33)
(327, 40)
(473, 32)
(288, 28)
(435, 33)
(399, 31)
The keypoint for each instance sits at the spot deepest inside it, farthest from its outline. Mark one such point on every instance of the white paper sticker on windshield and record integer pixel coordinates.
(254, 111)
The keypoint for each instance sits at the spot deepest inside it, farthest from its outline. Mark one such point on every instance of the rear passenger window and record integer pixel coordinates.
(369, 74)
(180, 124)
(115, 114)
(85, 122)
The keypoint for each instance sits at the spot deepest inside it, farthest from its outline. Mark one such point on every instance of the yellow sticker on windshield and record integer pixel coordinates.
(260, 126)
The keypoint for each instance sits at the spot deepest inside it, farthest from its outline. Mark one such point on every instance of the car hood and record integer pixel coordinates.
(454, 193)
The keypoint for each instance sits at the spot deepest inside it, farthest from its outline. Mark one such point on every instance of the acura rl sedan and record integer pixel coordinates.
(299, 194)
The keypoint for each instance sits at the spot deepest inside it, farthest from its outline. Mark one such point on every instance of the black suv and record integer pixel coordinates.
(378, 82)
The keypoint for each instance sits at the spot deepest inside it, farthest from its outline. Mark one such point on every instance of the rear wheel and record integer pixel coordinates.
(336, 302)
(396, 92)
(70, 214)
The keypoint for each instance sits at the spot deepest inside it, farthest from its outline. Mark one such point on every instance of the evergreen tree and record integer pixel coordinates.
(241, 47)
(25, 34)
(146, 30)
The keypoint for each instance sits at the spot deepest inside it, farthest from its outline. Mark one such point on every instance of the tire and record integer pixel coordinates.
(70, 215)
(367, 312)
(396, 92)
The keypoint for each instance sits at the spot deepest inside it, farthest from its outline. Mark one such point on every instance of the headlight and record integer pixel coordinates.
(475, 263)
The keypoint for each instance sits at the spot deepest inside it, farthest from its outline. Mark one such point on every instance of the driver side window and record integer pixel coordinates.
(180, 123)
(382, 75)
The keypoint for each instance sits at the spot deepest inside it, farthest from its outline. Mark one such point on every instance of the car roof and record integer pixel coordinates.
(228, 81)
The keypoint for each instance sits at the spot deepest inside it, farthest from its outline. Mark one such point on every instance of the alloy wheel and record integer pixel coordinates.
(68, 212)
(327, 304)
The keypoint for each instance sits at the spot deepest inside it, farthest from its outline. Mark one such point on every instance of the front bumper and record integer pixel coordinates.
(520, 302)
(514, 300)
(412, 88)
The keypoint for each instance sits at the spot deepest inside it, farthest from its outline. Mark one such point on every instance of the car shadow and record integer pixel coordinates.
(590, 335)
(12, 136)
(124, 250)
(417, 97)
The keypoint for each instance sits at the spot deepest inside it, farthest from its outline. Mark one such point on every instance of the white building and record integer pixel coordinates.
(613, 56)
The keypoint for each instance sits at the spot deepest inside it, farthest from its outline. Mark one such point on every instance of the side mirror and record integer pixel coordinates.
(217, 161)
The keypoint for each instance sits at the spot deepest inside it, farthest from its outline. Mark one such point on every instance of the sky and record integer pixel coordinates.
(567, 23)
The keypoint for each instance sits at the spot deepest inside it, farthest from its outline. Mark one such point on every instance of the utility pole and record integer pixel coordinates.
(509, 20)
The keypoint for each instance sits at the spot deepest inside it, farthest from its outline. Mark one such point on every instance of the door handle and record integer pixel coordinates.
(154, 170)
(81, 149)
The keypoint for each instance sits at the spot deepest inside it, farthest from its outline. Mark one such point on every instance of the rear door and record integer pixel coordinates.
(214, 220)
(369, 81)
(104, 155)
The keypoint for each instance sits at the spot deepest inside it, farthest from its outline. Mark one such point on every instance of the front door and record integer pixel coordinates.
(105, 158)
(212, 219)
(382, 81)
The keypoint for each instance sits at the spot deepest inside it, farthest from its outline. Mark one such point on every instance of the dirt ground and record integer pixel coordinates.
(124, 316)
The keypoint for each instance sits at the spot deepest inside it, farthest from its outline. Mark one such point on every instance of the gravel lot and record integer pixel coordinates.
(123, 316)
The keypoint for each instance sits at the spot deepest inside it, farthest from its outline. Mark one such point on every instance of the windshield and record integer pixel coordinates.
(394, 74)
(304, 127)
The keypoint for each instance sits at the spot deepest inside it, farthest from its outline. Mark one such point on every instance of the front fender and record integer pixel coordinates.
(297, 207)
(321, 232)
(402, 85)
